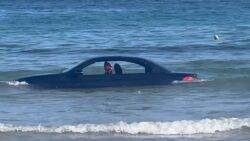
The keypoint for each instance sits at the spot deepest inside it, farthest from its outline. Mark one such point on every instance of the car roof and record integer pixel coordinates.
(140, 61)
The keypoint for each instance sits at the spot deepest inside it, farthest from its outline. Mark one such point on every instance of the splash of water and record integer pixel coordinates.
(17, 83)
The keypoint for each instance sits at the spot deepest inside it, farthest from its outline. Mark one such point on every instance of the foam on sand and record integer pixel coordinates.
(152, 128)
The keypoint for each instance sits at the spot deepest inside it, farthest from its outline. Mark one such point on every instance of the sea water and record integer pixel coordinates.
(45, 36)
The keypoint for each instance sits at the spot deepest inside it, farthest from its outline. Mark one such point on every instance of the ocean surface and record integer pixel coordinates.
(47, 36)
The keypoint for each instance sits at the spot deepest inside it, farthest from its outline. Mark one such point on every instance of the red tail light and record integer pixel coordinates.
(188, 78)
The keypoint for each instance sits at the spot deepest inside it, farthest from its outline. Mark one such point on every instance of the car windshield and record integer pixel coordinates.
(68, 68)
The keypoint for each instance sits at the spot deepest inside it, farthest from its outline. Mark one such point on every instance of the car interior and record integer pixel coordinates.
(118, 68)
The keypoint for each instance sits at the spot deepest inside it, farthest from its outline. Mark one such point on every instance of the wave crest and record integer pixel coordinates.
(153, 128)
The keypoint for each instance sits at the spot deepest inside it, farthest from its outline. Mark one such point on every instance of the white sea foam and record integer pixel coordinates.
(17, 83)
(194, 81)
(153, 128)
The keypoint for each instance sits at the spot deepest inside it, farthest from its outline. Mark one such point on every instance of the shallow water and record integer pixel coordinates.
(48, 37)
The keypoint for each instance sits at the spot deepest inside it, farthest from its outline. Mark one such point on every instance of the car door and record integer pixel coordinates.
(136, 79)
(89, 81)
(142, 79)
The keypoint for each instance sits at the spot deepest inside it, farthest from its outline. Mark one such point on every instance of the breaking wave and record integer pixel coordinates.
(152, 128)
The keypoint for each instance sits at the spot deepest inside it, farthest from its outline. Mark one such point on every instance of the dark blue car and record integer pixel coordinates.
(153, 74)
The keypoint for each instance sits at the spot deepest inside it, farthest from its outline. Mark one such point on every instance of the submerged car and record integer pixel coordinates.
(153, 74)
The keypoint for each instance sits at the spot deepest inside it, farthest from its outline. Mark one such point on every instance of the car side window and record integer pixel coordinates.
(117, 67)
(130, 68)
